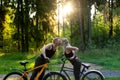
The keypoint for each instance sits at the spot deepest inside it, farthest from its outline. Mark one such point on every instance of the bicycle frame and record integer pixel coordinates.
(25, 74)
(65, 69)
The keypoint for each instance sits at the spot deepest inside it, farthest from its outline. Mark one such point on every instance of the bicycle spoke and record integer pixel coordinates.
(14, 77)
(92, 76)
(54, 77)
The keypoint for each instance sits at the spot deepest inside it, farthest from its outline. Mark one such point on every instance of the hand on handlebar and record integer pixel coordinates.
(47, 59)
(63, 58)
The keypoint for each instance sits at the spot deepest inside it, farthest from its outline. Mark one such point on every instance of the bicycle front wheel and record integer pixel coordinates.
(54, 76)
(14, 76)
(93, 75)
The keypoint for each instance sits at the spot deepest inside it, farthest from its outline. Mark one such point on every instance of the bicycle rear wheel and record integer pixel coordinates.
(54, 76)
(93, 75)
(14, 76)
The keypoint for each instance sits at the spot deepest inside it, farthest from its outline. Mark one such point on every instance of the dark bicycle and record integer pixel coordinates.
(85, 72)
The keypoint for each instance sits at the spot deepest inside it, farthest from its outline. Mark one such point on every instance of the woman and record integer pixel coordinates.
(47, 52)
(70, 53)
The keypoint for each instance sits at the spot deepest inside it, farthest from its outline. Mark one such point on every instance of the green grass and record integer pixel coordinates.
(108, 58)
(105, 57)
(11, 60)
(112, 78)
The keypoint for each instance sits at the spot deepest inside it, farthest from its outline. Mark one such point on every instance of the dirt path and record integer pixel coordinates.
(93, 66)
(106, 73)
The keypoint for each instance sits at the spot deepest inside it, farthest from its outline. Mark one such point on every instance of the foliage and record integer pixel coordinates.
(21, 28)
(40, 29)
(43, 22)
(8, 27)
(100, 30)
(103, 57)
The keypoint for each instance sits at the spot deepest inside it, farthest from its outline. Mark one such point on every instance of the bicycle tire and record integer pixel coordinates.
(54, 76)
(93, 75)
(14, 76)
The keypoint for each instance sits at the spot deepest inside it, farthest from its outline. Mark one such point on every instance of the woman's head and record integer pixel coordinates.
(65, 42)
(57, 41)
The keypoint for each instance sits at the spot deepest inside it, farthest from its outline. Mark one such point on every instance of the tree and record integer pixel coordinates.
(44, 18)
(3, 12)
(111, 18)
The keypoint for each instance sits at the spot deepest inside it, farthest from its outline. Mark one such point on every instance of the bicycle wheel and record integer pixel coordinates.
(54, 76)
(93, 75)
(14, 76)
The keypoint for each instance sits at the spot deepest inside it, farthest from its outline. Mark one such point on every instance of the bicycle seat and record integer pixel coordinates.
(23, 63)
(86, 66)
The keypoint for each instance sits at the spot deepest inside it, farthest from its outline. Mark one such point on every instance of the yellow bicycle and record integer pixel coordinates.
(24, 74)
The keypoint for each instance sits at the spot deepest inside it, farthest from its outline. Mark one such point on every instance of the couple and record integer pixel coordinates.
(49, 50)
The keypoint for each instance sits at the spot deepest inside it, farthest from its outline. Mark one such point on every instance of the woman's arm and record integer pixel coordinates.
(72, 48)
(48, 46)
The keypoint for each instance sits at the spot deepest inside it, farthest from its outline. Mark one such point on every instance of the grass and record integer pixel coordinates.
(108, 58)
(111, 78)
(10, 60)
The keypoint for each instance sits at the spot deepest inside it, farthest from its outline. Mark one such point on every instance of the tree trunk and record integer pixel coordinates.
(37, 42)
(1, 3)
(1, 26)
(82, 25)
(110, 18)
(89, 25)
(22, 25)
(26, 25)
(18, 24)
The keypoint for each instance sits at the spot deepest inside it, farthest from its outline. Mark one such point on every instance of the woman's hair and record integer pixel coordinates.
(65, 42)
(55, 39)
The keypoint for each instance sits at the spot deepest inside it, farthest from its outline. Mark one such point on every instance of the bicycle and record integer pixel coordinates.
(85, 73)
(24, 74)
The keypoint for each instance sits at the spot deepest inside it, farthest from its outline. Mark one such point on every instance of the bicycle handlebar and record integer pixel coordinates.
(63, 58)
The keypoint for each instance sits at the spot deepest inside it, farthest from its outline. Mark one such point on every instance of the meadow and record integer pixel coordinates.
(107, 58)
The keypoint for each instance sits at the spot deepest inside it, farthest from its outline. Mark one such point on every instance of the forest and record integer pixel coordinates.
(29, 24)
(91, 25)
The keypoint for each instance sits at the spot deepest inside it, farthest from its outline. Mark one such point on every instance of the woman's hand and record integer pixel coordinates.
(47, 59)
(76, 50)
(72, 48)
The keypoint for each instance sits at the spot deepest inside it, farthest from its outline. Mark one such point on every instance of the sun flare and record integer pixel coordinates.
(67, 9)
(64, 9)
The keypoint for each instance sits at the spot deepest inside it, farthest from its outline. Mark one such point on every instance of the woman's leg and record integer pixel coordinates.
(39, 61)
(77, 67)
